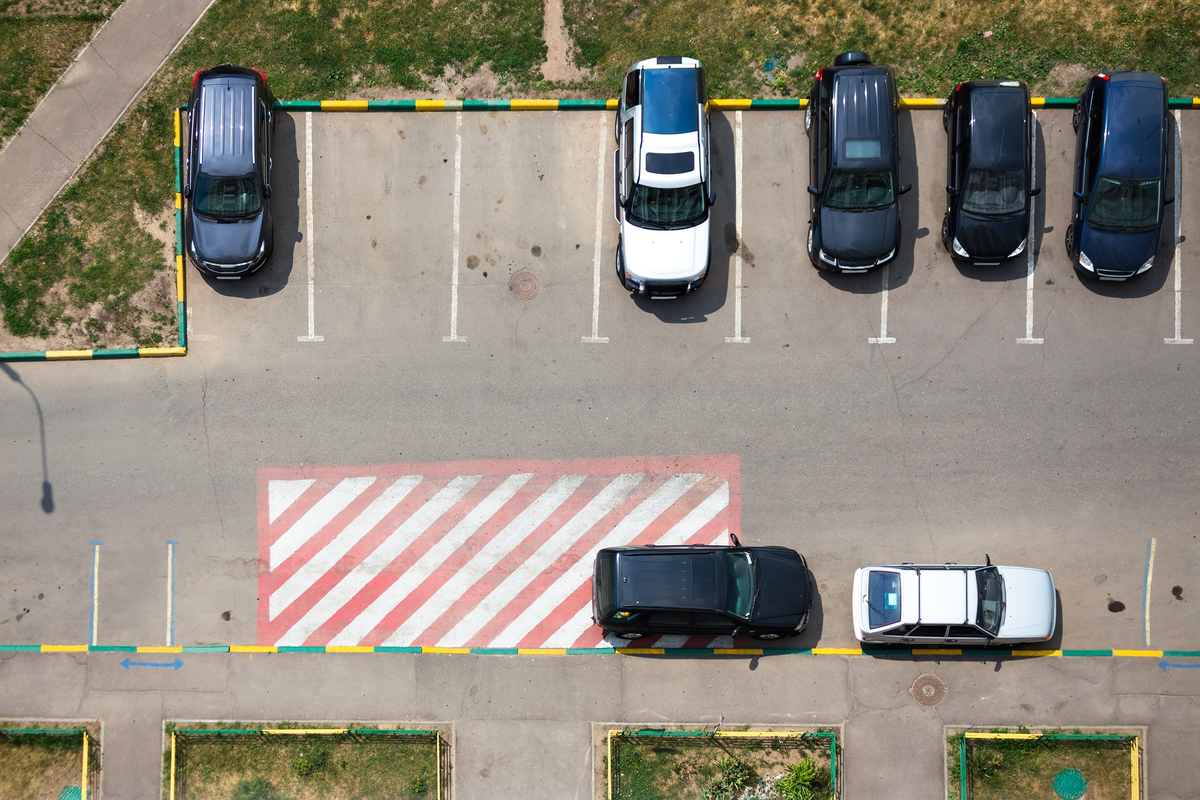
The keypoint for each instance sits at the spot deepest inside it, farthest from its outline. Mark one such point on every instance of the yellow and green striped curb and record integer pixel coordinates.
(576, 651)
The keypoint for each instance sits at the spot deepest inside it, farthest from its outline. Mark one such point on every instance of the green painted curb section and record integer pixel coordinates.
(775, 103)
(207, 648)
(1101, 653)
(20, 648)
(29, 355)
(300, 649)
(1181, 653)
(1060, 102)
(382, 649)
(299, 105)
(112, 648)
(493, 651)
(122, 352)
(42, 731)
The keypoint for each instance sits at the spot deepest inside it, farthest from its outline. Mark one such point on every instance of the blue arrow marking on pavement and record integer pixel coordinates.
(1164, 664)
(175, 665)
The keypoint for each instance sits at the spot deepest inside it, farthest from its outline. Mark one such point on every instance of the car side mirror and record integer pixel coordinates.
(906, 188)
(712, 198)
(187, 190)
(737, 631)
(1169, 200)
(951, 190)
(734, 538)
(1035, 191)
(1079, 195)
(267, 189)
(814, 191)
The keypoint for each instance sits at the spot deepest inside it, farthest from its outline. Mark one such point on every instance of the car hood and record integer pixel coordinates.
(990, 238)
(859, 235)
(665, 255)
(1119, 251)
(786, 597)
(1030, 608)
(234, 242)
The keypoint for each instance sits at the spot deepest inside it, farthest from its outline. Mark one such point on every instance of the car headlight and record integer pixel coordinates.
(958, 249)
(262, 247)
(1086, 262)
(1149, 263)
(1020, 249)
(887, 257)
(825, 257)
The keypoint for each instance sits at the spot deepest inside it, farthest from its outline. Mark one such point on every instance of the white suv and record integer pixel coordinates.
(663, 180)
(935, 604)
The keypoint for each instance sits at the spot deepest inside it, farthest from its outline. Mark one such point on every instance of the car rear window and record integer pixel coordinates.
(670, 163)
(670, 101)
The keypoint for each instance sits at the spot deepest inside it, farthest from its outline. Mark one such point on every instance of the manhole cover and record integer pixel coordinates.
(928, 689)
(1070, 784)
(524, 285)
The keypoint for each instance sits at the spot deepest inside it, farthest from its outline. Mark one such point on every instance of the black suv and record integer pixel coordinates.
(227, 219)
(1120, 175)
(854, 165)
(989, 164)
(765, 592)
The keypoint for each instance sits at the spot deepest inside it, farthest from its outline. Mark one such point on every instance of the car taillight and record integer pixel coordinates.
(1101, 76)
(195, 78)
(1164, 80)
(956, 88)
(820, 72)
(260, 72)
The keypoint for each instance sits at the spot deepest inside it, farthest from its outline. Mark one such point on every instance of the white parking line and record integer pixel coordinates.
(737, 337)
(95, 591)
(171, 592)
(1178, 232)
(596, 338)
(1149, 580)
(883, 338)
(454, 337)
(308, 233)
(1030, 240)
(199, 337)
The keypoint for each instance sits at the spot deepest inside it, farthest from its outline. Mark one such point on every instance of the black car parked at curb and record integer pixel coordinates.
(851, 121)
(1121, 129)
(764, 592)
(227, 216)
(989, 168)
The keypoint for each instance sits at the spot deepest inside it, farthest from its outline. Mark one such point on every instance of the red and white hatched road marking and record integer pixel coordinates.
(471, 553)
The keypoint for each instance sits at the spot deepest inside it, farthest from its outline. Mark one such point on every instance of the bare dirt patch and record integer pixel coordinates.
(1064, 80)
(67, 8)
(560, 62)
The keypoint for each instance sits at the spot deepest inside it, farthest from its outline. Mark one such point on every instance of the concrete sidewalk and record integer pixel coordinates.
(520, 716)
(83, 106)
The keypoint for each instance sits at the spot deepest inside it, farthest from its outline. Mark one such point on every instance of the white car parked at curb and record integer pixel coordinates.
(962, 605)
(663, 177)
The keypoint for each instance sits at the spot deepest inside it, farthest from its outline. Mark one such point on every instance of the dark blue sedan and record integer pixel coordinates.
(1121, 134)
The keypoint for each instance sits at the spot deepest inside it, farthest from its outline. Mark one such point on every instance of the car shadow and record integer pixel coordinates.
(47, 499)
(273, 276)
(723, 240)
(1156, 277)
(897, 272)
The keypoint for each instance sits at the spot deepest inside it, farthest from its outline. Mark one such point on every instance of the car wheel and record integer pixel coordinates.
(617, 126)
(851, 59)
(630, 635)
(811, 255)
(1067, 238)
(767, 637)
(808, 116)
(946, 231)
(617, 262)
(1075, 115)
(946, 116)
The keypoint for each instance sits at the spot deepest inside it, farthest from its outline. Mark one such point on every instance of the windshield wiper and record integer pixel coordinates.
(872, 606)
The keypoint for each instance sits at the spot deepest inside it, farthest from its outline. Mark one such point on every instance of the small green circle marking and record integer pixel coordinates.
(1070, 784)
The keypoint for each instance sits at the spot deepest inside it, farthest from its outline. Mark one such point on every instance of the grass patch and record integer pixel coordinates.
(37, 42)
(720, 768)
(94, 255)
(39, 766)
(306, 767)
(764, 49)
(1028, 768)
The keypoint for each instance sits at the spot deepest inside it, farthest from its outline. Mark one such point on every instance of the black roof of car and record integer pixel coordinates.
(227, 123)
(863, 109)
(998, 133)
(675, 578)
(1136, 118)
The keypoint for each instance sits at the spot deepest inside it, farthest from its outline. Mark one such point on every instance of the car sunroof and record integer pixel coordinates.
(864, 148)
(670, 163)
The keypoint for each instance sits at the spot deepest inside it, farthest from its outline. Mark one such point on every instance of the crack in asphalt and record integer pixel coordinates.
(904, 447)
(957, 341)
(212, 482)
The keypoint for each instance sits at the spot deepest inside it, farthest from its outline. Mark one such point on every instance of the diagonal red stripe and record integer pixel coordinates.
(299, 507)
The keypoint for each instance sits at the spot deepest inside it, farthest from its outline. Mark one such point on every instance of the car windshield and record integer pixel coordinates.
(859, 191)
(883, 598)
(227, 196)
(739, 598)
(991, 599)
(994, 192)
(1124, 205)
(668, 208)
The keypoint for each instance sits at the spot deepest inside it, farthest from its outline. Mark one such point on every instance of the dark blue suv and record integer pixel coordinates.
(1121, 133)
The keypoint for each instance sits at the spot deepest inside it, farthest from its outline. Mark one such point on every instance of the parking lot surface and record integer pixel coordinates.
(924, 412)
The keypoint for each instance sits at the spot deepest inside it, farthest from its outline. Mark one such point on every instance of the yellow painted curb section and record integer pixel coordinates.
(1134, 772)
(60, 355)
(355, 648)
(452, 650)
(730, 104)
(177, 131)
(1037, 102)
(158, 352)
(1139, 653)
(1196, 102)
(343, 105)
(1030, 653)
(982, 735)
(737, 651)
(253, 648)
(937, 651)
(179, 284)
(178, 200)
(615, 103)
(159, 649)
(303, 731)
(641, 651)
(921, 102)
(430, 105)
(64, 648)
(837, 651)
(541, 651)
(534, 105)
